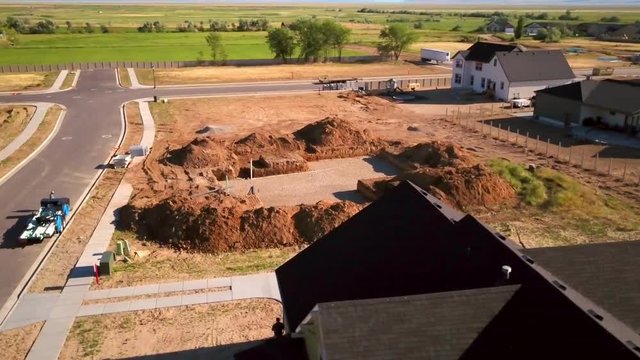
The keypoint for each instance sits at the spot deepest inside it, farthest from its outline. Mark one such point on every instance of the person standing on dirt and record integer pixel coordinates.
(278, 329)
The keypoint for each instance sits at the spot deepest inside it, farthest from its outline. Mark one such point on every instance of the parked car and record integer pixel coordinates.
(520, 103)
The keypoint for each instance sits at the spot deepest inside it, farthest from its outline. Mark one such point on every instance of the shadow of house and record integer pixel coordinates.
(411, 278)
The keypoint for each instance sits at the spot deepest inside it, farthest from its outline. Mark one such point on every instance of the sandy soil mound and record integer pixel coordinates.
(436, 154)
(463, 187)
(223, 223)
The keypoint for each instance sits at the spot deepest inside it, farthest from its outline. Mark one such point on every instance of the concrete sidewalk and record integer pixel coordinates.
(29, 130)
(135, 84)
(54, 332)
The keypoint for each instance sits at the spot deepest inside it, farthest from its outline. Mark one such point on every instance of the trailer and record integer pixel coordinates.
(49, 220)
(435, 55)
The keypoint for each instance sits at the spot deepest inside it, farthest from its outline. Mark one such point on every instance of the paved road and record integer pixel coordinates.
(88, 134)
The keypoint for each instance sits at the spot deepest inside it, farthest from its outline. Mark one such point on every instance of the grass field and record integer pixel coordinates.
(33, 81)
(125, 44)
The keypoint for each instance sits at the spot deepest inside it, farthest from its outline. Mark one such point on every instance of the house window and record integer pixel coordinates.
(479, 66)
(459, 64)
(471, 80)
(457, 78)
(495, 62)
(501, 85)
(482, 82)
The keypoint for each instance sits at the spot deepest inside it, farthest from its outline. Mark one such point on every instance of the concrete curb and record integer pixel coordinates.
(9, 305)
(37, 150)
(26, 134)
(52, 89)
(31, 274)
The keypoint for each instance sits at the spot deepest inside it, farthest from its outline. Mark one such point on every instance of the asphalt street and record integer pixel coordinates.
(89, 132)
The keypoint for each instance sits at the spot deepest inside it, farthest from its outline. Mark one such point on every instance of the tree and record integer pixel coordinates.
(69, 25)
(338, 36)
(89, 28)
(310, 38)
(553, 36)
(43, 27)
(214, 40)
(541, 34)
(104, 29)
(395, 39)
(12, 37)
(519, 28)
(281, 42)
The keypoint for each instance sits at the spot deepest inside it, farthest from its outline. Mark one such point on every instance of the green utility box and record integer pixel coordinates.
(106, 263)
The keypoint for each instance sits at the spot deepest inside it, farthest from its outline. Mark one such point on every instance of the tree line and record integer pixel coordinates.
(259, 24)
(317, 40)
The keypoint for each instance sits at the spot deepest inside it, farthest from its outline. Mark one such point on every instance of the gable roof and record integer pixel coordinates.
(394, 232)
(483, 51)
(399, 327)
(535, 65)
(608, 274)
(406, 243)
(631, 30)
(616, 95)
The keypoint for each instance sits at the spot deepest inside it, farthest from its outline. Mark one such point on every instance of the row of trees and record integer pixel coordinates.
(260, 24)
(315, 39)
(22, 26)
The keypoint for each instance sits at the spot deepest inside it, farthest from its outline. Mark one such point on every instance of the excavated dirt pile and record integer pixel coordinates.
(332, 137)
(273, 155)
(446, 171)
(222, 223)
(431, 154)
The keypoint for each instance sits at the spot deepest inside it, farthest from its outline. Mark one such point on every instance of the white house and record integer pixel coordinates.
(509, 29)
(509, 71)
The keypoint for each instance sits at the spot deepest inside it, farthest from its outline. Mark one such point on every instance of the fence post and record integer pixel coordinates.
(546, 151)
(609, 170)
(517, 134)
(595, 162)
(490, 128)
(508, 131)
(624, 172)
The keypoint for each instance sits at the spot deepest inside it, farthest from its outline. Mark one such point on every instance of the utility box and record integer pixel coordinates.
(106, 263)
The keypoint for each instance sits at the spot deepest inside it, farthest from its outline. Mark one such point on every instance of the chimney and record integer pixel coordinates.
(506, 271)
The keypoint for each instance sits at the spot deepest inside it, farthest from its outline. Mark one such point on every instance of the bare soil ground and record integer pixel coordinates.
(31, 81)
(65, 255)
(469, 185)
(46, 127)
(229, 74)
(16, 343)
(201, 331)
(13, 120)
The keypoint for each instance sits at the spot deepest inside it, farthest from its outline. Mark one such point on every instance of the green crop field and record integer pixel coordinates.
(124, 43)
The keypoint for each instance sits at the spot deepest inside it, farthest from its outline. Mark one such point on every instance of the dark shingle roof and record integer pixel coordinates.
(535, 65)
(431, 326)
(617, 95)
(484, 51)
(608, 274)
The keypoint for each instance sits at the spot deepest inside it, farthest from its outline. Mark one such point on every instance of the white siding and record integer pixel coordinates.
(527, 89)
(459, 71)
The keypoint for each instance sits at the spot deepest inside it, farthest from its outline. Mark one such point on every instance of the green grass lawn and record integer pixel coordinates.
(66, 48)
(125, 44)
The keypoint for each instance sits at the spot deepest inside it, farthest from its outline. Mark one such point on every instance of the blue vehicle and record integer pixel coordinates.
(50, 219)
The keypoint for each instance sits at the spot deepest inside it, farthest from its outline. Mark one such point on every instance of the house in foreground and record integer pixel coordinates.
(613, 103)
(509, 71)
(409, 277)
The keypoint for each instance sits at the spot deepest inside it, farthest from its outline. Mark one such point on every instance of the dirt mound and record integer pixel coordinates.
(222, 223)
(436, 154)
(335, 138)
(314, 221)
(202, 153)
(258, 143)
(463, 187)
